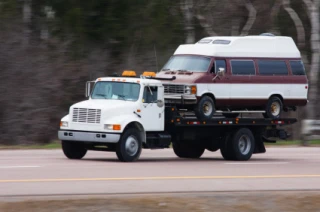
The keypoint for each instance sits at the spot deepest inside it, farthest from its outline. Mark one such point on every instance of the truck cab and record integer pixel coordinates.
(116, 105)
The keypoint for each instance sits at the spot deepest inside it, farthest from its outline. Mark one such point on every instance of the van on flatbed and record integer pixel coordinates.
(232, 75)
(127, 114)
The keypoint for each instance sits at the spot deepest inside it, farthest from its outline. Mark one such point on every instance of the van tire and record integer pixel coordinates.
(274, 108)
(205, 108)
(129, 147)
(73, 149)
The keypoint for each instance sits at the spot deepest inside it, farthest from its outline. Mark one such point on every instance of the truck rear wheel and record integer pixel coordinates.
(73, 149)
(187, 150)
(205, 108)
(129, 147)
(225, 148)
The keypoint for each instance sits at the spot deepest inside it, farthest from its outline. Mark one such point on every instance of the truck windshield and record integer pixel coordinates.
(187, 63)
(116, 90)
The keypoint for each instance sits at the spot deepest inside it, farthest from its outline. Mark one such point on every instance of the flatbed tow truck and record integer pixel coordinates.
(127, 114)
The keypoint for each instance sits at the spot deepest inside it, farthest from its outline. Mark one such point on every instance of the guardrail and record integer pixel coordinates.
(310, 130)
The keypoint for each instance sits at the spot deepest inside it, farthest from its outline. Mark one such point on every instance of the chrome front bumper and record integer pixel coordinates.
(88, 136)
(180, 98)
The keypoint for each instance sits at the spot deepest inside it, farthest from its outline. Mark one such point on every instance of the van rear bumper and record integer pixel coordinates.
(88, 136)
(180, 99)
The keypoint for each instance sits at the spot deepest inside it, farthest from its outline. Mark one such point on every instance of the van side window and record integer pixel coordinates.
(272, 67)
(297, 68)
(220, 64)
(243, 67)
(150, 95)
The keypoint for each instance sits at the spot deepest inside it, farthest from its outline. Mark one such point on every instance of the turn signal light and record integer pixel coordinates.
(116, 127)
(193, 89)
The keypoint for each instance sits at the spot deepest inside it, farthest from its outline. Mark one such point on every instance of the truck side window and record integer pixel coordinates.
(150, 97)
(220, 64)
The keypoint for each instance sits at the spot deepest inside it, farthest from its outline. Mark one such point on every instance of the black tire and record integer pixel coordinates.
(274, 108)
(230, 115)
(73, 149)
(226, 148)
(205, 108)
(187, 150)
(242, 144)
(129, 147)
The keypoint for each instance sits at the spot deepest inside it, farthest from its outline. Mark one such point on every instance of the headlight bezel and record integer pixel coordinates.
(64, 124)
(190, 89)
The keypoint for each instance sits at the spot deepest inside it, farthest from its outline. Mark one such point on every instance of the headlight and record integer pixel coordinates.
(191, 89)
(63, 124)
(112, 127)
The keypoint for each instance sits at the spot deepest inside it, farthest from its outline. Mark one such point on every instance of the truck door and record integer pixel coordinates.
(152, 113)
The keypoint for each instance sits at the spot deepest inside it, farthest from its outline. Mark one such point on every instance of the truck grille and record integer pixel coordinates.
(85, 115)
(174, 89)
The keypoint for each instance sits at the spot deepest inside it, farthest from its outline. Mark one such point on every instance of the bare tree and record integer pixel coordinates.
(187, 9)
(200, 14)
(301, 35)
(251, 17)
(313, 14)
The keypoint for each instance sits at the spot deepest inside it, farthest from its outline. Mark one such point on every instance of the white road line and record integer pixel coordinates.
(13, 167)
(253, 163)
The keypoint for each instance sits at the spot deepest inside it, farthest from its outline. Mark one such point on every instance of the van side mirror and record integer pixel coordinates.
(160, 103)
(221, 72)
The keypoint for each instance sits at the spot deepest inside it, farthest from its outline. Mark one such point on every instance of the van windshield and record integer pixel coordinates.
(116, 90)
(187, 63)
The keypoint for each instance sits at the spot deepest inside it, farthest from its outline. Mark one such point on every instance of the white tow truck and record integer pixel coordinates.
(125, 114)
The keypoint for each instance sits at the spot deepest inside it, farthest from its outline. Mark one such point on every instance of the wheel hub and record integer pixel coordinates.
(275, 108)
(244, 144)
(131, 146)
(207, 108)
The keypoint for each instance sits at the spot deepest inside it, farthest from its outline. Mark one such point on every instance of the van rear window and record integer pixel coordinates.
(297, 68)
(242, 67)
(272, 67)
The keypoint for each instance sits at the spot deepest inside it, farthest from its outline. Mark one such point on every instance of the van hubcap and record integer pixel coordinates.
(207, 108)
(244, 144)
(275, 108)
(131, 146)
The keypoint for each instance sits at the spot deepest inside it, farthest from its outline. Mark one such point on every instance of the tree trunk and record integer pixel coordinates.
(26, 18)
(251, 18)
(187, 9)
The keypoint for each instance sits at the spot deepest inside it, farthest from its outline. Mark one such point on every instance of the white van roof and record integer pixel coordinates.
(245, 46)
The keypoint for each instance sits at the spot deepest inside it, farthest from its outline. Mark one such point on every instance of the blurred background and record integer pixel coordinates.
(50, 48)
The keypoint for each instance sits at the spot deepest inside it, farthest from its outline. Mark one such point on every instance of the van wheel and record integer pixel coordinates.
(230, 115)
(274, 108)
(129, 147)
(205, 108)
(73, 149)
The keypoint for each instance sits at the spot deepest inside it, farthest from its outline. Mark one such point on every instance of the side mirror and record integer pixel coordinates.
(160, 103)
(88, 88)
(221, 72)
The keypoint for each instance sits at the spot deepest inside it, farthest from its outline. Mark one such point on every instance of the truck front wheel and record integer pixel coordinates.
(187, 150)
(129, 147)
(73, 150)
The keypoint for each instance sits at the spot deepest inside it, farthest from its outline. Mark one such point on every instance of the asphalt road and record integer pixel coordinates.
(48, 172)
